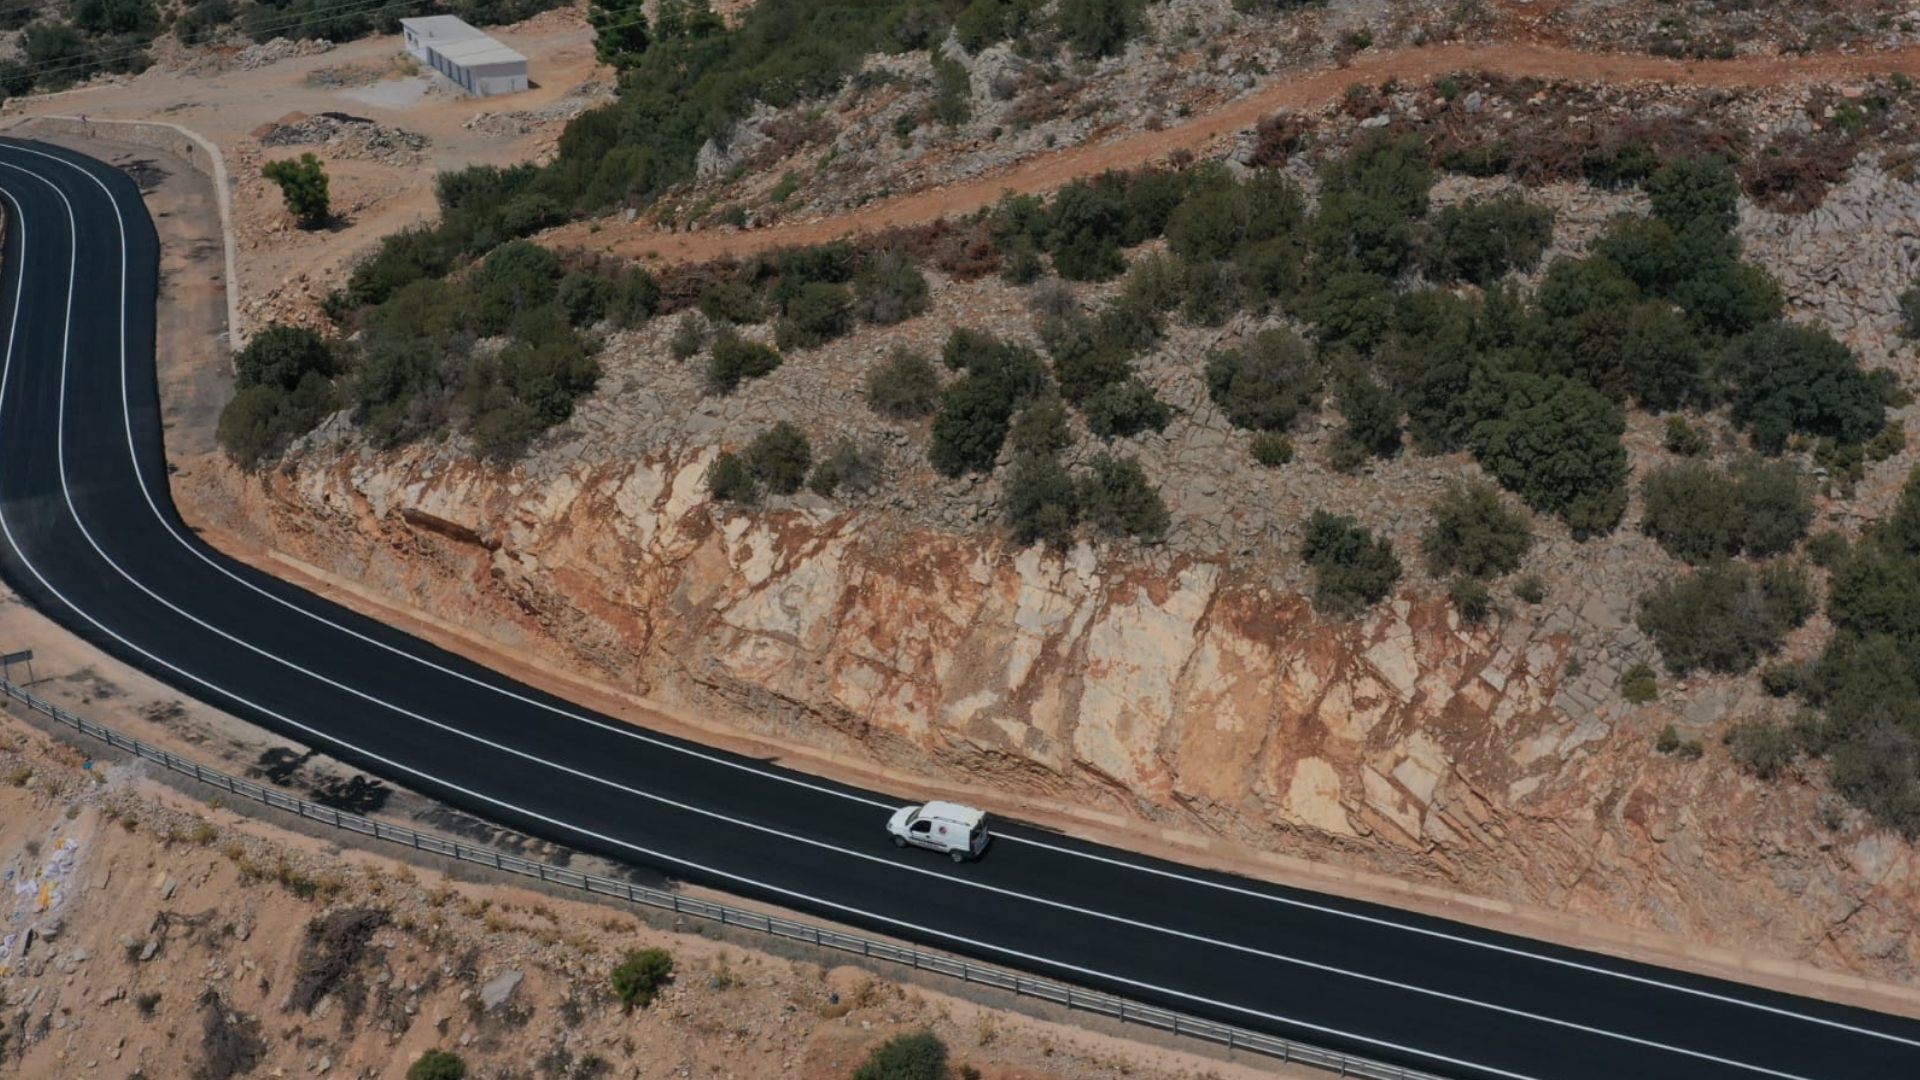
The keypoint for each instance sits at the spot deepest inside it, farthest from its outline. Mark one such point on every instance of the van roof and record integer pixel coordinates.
(953, 811)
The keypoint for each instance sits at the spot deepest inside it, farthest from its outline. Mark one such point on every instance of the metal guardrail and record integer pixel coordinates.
(1131, 1012)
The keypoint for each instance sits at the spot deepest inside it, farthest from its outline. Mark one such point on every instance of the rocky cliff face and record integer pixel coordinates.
(1171, 688)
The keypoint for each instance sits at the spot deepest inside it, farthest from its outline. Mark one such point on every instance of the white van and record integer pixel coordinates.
(960, 831)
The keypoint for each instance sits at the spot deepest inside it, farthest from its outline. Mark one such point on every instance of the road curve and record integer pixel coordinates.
(89, 535)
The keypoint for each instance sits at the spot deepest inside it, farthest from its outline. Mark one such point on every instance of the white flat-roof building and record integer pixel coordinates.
(470, 59)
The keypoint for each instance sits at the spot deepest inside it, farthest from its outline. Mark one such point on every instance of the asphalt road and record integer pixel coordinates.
(89, 535)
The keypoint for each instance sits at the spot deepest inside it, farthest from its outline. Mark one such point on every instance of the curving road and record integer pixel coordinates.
(89, 535)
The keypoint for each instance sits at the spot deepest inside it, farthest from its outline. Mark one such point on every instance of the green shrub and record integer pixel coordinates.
(1762, 747)
(585, 297)
(1638, 684)
(1271, 449)
(1351, 308)
(1041, 428)
(1530, 589)
(1118, 500)
(779, 457)
(1724, 617)
(1910, 313)
(1783, 379)
(916, 1056)
(303, 185)
(1096, 28)
(1481, 239)
(735, 360)
(1040, 501)
(846, 465)
(1693, 189)
(905, 387)
(437, 1065)
(689, 336)
(1267, 383)
(281, 356)
(1475, 534)
(635, 299)
(732, 302)
(1827, 548)
(730, 480)
(1373, 418)
(970, 427)
(262, 419)
(820, 313)
(1352, 570)
(1471, 598)
(1699, 513)
(890, 289)
(639, 975)
(1684, 439)
(1556, 443)
(516, 277)
(1124, 409)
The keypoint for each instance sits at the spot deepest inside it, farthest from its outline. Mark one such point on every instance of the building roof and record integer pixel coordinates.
(478, 52)
(442, 29)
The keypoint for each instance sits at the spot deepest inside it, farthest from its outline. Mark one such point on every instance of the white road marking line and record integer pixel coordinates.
(628, 731)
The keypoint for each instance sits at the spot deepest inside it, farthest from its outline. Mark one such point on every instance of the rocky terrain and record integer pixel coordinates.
(1188, 685)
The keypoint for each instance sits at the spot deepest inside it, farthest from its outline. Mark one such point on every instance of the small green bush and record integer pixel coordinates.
(846, 465)
(735, 360)
(1471, 598)
(779, 457)
(1041, 428)
(732, 302)
(1827, 548)
(1124, 409)
(1764, 748)
(916, 1056)
(281, 356)
(1474, 533)
(1352, 569)
(1783, 378)
(970, 427)
(585, 297)
(639, 975)
(1638, 684)
(437, 1065)
(689, 336)
(1481, 239)
(1271, 449)
(1530, 589)
(303, 185)
(730, 480)
(1699, 513)
(905, 387)
(1684, 439)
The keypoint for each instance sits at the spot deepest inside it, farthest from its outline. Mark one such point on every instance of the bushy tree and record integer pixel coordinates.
(585, 297)
(1097, 28)
(1352, 569)
(1265, 384)
(1783, 378)
(1373, 422)
(1474, 533)
(970, 427)
(1556, 444)
(1699, 188)
(260, 420)
(303, 184)
(1724, 617)
(639, 975)
(779, 457)
(1481, 239)
(733, 360)
(905, 387)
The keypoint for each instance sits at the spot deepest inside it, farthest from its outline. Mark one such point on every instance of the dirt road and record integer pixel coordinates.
(1301, 91)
